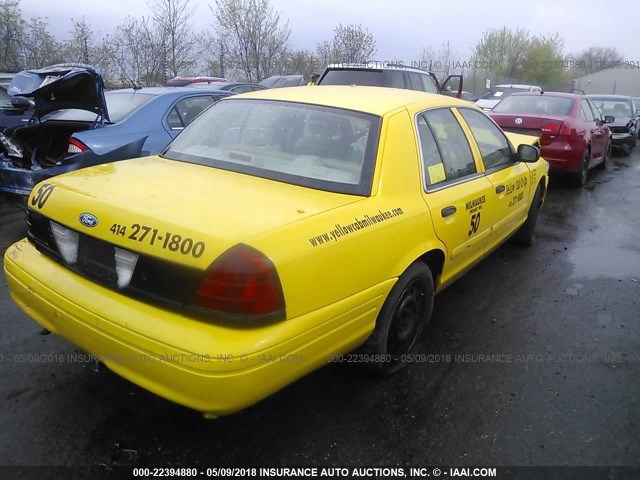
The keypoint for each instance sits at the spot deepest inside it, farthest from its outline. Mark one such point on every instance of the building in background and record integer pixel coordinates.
(618, 81)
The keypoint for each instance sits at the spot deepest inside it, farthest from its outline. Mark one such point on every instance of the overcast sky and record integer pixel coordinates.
(401, 29)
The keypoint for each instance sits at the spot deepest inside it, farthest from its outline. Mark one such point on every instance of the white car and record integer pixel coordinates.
(499, 92)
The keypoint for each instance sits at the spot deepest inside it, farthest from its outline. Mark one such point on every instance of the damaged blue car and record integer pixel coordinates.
(76, 124)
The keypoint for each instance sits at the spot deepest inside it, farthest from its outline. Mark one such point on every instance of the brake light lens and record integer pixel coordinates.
(76, 146)
(560, 129)
(243, 283)
(566, 131)
(551, 129)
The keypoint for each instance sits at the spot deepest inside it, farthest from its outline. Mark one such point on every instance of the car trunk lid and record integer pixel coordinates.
(60, 87)
(535, 125)
(183, 213)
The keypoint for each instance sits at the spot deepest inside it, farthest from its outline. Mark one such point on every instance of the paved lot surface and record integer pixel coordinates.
(536, 362)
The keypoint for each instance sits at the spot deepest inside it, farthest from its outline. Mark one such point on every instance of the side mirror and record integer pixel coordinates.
(21, 103)
(528, 153)
(609, 119)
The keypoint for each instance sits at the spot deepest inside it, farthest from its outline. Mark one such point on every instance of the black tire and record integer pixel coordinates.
(625, 148)
(603, 165)
(526, 234)
(405, 312)
(580, 177)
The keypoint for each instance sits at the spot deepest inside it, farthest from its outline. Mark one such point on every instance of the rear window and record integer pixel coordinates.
(535, 105)
(616, 107)
(312, 146)
(500, 92)
(119, 105)
(369, 78)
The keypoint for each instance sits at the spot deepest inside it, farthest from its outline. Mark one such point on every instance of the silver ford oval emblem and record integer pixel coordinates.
(88, 220)
(518, 121)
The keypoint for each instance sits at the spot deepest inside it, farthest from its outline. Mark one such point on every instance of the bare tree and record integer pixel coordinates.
(79, 48)
(137, 52)
(253, 35)
(173, 19)
(597, 58)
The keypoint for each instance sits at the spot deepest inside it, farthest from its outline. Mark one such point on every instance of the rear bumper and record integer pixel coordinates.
(19, 181)
(208, 367)
(563, 156)
(618, 139)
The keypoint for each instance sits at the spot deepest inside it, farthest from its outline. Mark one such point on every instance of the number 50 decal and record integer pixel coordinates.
(42, 195)
(475, 223)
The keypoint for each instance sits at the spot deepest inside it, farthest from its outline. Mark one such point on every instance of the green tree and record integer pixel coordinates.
(544, 62)
(350, 44)
(504, 51)
(11, 32)
(39, 47)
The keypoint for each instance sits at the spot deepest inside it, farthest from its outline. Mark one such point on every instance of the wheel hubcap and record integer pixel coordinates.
(407, 319)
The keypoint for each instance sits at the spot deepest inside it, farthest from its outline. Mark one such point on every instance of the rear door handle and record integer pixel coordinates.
(500, 189)
(446, 211)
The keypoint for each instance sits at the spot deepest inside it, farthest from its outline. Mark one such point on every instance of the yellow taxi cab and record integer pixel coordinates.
(282, 228)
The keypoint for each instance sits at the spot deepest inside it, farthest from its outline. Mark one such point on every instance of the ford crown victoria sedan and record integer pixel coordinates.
(281, 228)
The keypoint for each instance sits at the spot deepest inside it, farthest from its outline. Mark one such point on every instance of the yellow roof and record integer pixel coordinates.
(375, 100)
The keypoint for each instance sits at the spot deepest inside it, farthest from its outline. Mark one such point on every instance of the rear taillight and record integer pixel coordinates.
(560, 129)
(551, 129)
(76, 146)
(242, 282)
(566, 131)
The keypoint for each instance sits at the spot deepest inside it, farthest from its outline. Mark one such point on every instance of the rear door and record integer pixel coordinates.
(510, 178)
(459, 197)
(599, 133)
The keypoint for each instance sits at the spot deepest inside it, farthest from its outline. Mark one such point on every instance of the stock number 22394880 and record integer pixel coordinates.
(167, 240)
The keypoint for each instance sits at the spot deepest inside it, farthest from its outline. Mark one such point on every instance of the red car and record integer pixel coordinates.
(573, 134)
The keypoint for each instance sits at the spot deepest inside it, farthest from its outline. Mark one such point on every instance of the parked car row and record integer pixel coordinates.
(237, 258)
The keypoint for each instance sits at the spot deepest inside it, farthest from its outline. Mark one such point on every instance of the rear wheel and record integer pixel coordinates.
(526, 234)
(401, 320)
(580, 177)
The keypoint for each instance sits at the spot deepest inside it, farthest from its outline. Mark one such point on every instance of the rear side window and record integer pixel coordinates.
(187, 109)
(431, 159)
(425, 81)
(587, 114)
(242, 89)
(5, 99)
(494, 146)
(452, 145)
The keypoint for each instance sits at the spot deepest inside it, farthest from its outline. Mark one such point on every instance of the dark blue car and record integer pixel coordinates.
(77, 124)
